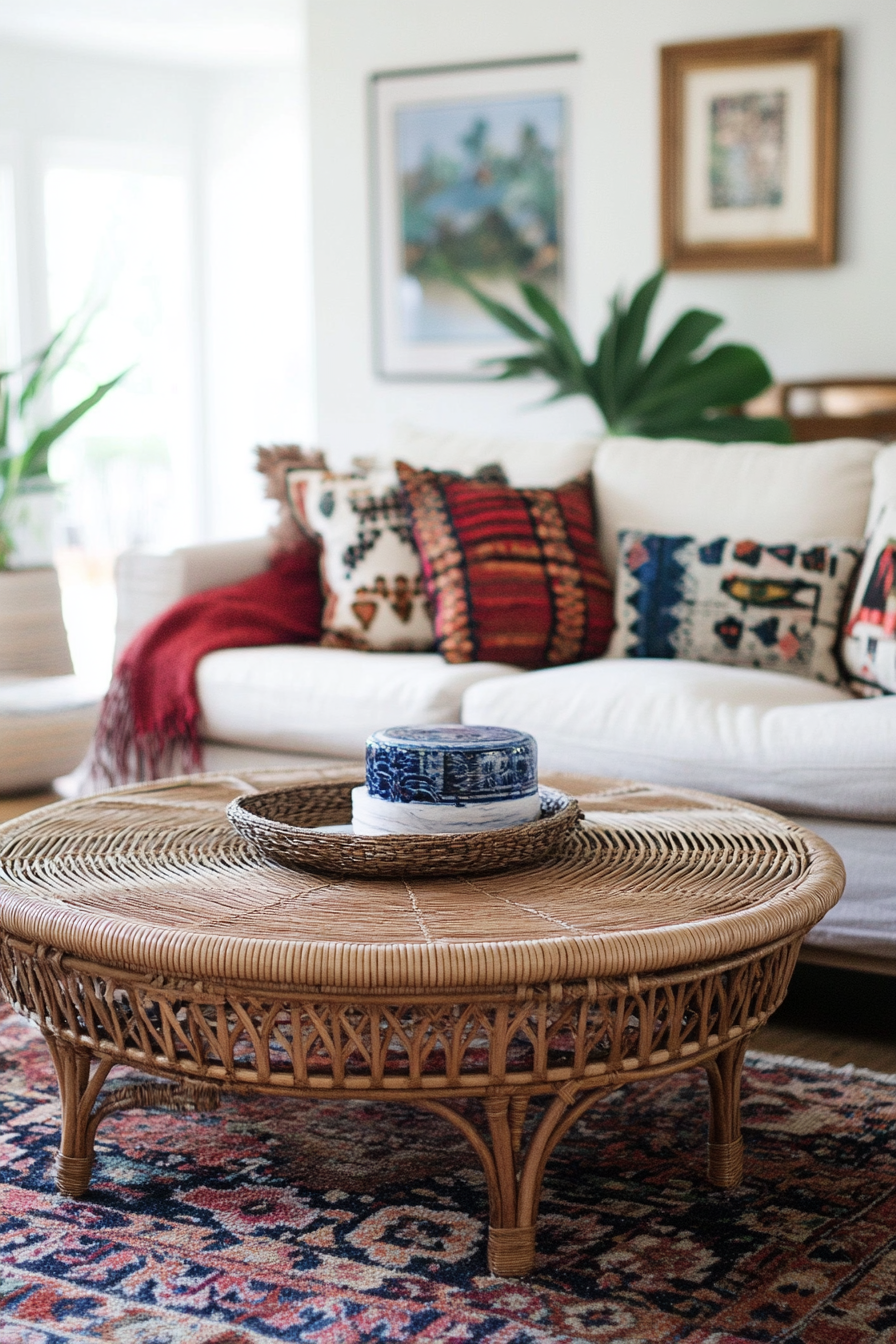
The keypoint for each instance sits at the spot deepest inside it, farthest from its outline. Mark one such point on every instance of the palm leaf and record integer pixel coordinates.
(548, 360)
(41, 363)
(10, 471)
(563, 337)
(632, 330)
(34, 458)
(554, 352)
(603, 376)
(50, 361)
(735, 429)
(674, 350)
(506, 316)
(673, 392)
(728, 376)
(514, 366)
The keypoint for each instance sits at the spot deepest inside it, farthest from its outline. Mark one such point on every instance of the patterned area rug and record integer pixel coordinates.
(355, 1222)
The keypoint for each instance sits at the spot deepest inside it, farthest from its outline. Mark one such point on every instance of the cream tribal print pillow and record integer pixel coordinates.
(370, 570)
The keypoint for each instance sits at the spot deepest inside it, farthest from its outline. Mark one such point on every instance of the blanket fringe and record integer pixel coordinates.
(120, 754)
(149, 723)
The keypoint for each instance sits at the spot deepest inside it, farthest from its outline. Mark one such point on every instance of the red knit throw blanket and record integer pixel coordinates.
(149, 722)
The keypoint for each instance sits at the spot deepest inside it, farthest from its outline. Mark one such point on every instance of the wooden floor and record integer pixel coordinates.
(14, 807)
(841, 1017)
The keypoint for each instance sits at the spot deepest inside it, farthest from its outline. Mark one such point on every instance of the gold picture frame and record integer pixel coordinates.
(749, 151)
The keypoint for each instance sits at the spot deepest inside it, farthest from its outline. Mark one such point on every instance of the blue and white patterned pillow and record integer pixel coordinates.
(740, 602)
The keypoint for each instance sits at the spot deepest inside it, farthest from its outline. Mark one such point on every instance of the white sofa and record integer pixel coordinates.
(807, 749)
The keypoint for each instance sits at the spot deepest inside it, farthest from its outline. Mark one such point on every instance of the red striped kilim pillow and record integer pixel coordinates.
(514, 576)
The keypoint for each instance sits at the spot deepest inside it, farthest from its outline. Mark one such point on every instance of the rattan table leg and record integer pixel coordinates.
(82, 1112)
(514, 1173)
(78, 1090)
(519, 1106)
(725, 1162)
(511, 1251)
(511, 1247)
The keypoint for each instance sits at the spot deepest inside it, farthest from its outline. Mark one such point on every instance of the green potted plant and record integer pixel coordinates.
(680, 390)
(32, 633)
(26, 489)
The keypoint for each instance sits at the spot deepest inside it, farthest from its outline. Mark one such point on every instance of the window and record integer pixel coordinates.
(117, 246)
(9, 343)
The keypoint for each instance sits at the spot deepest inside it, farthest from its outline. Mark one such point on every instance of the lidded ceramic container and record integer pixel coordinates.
(445, 778)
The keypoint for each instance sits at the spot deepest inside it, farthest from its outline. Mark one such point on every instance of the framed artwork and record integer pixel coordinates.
(749, 151)
(469, 174)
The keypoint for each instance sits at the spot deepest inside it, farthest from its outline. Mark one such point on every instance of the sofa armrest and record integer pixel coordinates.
(146, 585)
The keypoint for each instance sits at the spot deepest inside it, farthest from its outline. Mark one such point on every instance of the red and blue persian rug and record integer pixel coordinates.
(350, 1223)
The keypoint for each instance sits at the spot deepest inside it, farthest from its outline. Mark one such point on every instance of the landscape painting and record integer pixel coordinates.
(747, 149)
(470, 177)
(480, 186)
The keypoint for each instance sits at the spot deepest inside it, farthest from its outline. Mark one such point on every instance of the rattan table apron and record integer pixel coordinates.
(139, 929)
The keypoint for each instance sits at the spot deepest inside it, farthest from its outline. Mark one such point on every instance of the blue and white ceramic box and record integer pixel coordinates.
(447, 778)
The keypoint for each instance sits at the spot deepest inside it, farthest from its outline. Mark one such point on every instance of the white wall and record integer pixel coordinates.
(259, 373)
(812, 322)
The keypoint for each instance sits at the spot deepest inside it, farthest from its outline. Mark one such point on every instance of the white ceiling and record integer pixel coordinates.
(214, 33)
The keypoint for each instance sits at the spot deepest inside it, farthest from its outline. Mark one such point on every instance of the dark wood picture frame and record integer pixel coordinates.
(819, 48)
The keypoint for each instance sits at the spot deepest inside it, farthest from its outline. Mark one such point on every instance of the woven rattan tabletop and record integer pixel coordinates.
(152, 878)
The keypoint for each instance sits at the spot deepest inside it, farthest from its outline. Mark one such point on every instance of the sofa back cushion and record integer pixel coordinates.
(794, 493)
(527, 464)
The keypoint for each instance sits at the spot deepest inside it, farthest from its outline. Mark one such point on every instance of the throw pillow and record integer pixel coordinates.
(741, 602)
(274, 463)
(868, 649)
(370, 570)
(514, 576)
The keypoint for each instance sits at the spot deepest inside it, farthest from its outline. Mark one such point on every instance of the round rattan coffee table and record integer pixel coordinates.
(137, 928)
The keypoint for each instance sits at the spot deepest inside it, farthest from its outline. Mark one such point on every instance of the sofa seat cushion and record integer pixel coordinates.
(864, 919)
(304, 698)
(781, 741)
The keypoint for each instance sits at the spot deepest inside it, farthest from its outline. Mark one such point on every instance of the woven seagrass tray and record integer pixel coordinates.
(282, 822)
